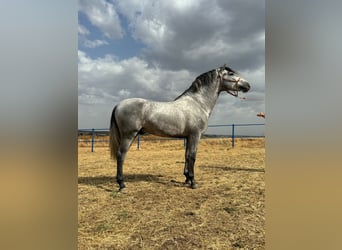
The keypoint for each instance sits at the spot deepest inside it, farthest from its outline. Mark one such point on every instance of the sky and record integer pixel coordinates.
(155, 49)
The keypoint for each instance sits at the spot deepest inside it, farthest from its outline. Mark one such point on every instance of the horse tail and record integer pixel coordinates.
(114, 135)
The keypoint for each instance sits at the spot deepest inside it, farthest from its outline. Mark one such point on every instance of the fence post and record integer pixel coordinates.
(92, 139)
(138, 146)
(233, 135)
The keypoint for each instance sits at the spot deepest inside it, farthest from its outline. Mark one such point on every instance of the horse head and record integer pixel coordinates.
(231, 81)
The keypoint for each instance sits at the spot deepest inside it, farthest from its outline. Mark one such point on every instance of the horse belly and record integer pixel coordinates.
(164, 124)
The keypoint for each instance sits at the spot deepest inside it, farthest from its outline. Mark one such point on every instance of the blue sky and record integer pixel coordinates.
(155, 49)
(123, 48)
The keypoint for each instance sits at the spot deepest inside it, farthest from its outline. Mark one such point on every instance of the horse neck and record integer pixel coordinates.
(205, 96)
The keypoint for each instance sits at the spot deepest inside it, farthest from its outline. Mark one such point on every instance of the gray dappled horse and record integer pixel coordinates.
(185, 117)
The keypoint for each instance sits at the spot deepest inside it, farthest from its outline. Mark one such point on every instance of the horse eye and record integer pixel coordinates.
(230, 73)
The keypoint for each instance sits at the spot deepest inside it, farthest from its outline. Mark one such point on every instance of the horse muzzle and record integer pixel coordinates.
(244, 87)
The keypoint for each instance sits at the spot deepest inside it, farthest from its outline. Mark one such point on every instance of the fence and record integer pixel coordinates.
(233, 134)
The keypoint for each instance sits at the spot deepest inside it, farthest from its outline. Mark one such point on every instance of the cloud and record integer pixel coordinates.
(181, 40)
(83, 30)
(198, 34)
(102, 15)
(96, 43)
(108, 80)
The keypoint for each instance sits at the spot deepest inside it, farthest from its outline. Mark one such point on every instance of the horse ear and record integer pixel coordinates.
(223, 68)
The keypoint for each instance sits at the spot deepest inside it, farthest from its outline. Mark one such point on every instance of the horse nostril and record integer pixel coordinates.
(245, 88)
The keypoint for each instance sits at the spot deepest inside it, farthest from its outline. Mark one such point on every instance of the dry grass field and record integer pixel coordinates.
(157, 211)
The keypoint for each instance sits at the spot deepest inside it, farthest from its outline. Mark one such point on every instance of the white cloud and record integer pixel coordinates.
(153, 22)
(96, 43)
(102, 15)
(83, 30)
(112, 80)
(197, 34)
(124, 93)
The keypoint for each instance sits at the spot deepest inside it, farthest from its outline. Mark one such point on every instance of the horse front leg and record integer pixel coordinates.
(186, 172)
(190, 158)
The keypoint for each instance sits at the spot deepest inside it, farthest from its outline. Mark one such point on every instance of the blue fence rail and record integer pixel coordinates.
(233, 135)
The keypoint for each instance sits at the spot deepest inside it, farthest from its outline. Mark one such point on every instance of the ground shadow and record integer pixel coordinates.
(104, 180)
(96, 180)
(107, 182)
(228, 168)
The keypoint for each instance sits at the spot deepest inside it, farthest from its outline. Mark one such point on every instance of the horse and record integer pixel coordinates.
(184, 117)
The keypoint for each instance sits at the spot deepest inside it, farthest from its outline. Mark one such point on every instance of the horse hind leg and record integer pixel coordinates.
(121, 156)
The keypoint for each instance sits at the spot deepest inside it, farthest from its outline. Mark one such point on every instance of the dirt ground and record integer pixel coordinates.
(158, 211)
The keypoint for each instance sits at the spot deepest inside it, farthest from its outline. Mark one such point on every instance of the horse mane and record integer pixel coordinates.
(202, 81)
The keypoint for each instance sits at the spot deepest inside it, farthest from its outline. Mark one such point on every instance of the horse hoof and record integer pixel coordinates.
(187, 181)
(194, 185)
(122, 189)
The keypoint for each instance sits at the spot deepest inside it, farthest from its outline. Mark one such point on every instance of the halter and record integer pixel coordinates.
(234, 92)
